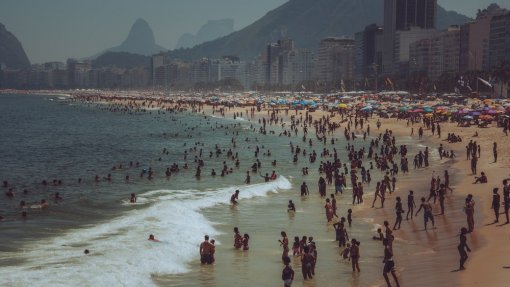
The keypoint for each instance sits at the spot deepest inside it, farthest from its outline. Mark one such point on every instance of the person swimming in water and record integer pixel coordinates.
(133, 198)
(152, 238)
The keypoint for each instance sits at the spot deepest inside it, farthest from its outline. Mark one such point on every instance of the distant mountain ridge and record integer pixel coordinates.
(212, 30)
(140, 40)
(12, 54)
(304, 21)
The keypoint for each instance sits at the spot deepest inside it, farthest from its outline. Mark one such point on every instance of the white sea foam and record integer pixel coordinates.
(120, 254)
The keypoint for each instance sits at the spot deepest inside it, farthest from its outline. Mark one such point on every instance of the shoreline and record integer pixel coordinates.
(439, 258)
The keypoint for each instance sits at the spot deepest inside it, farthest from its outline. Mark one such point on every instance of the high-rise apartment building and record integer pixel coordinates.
(335, 60)
(368, 52)
(402, 15)
(499, 40)
(474, 40)
(274, 60)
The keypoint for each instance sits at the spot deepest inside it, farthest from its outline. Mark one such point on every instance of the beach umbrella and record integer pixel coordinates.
(468, 117)
(342, 106)
(475, 113)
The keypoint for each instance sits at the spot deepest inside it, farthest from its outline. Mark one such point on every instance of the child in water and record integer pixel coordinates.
(246, 239)
(296, 247)
(347, 250)
(287, 272)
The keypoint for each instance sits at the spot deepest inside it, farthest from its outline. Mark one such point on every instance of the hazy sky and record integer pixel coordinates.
(54, 30)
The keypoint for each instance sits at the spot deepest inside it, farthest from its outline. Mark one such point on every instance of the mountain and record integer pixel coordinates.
(448, 18)
(12, 55)
(120, 60)
(304, 21)
(212, 30)
(140, 40)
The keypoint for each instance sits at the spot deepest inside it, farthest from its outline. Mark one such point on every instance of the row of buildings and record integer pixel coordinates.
(74, 75)
(407, 43)
(280, 65)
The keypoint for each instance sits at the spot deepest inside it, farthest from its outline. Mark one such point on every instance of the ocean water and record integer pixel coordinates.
(47, 138)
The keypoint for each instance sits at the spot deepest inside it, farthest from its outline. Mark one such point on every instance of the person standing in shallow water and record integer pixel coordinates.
(287, 273)
(463, 247)
(389, 264)
(307, 263)
(284, 243)
(238, 239)
(427, 212)
(355, 255)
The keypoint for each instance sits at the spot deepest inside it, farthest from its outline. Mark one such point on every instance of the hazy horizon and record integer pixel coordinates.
(54, 30)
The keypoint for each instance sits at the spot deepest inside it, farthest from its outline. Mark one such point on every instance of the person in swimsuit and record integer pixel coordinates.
(296, 246)
(496, 203)
(355, 255)
(246, 239)
(427, 212)
(206, 251)
(234, 197)
(291, 206)
(306, 263)
(238, 239)
(506, 199)
(153, 239)
(398, 210)
(410, 204)
(287, 273)
(284, 243)
(133, 198)
(389, 265)
(304, 189)
(463, 247)
(470, 212)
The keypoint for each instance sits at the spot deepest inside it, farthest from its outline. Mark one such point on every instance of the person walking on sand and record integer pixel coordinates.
(496, 203)
(389, 264)
(427, 212)
(463, 247)
(495, 151)
(398, 210)
(470, 212)
(410, 204)
(506, 199)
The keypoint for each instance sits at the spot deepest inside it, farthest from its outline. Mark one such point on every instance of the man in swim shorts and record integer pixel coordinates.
(206, 251)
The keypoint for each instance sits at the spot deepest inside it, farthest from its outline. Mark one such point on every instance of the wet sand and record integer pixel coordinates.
(430, 257)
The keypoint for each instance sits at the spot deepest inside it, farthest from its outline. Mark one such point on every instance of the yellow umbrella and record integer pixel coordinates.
(342, 106)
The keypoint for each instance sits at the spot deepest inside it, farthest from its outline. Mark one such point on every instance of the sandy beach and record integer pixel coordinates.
(435, 260)
(422, 257)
